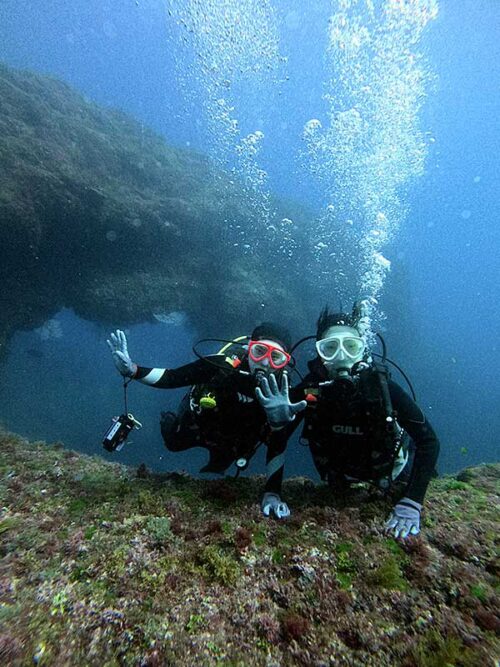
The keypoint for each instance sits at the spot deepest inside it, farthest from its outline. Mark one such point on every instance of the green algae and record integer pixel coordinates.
(434, 650)
(345, 564)
(195, 622)
(9, 524)
(159, 528)
(259, 536)
(480, 592)
(388, 575)
(278, 556)
(455, 485)
(219, 565)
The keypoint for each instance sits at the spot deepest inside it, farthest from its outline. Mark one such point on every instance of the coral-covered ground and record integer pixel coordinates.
(107, 565)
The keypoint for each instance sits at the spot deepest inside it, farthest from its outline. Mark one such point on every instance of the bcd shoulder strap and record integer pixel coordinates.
(204, 396)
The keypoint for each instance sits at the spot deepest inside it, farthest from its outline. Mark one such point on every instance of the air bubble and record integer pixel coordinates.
(371, 146)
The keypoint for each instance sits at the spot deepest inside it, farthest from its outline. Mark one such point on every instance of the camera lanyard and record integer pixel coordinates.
(125, 385)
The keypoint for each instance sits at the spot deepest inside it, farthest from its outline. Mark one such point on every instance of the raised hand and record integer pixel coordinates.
(276, 402)
(117, 343)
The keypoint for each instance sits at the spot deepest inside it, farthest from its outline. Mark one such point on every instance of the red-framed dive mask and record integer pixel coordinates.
(258, 351)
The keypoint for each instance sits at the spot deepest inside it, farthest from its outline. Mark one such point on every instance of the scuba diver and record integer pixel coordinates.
(357, 421)
(220, 412)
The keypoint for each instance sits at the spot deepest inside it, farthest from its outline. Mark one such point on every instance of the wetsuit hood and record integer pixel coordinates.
(275, 332)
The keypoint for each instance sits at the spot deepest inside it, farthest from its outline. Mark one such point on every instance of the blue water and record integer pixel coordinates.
(441, 296)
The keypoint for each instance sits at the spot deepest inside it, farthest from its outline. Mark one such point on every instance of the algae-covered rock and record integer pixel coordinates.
(104, 566)
(100, 215)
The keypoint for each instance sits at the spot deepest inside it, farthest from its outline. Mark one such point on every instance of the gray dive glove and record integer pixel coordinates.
(275, 401)
(404, 519)
(119, 351)
(272, 504)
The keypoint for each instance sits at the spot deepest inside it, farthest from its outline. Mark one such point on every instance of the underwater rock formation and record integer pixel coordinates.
(100, 215)
(107, 565)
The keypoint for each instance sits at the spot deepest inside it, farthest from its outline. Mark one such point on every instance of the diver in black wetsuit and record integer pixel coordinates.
(356, 419)
(220, 412)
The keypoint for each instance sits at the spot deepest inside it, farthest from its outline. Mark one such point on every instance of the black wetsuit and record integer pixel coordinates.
(231, 430)
(348, 434)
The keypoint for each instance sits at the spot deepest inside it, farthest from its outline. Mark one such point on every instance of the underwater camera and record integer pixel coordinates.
(118, 432)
